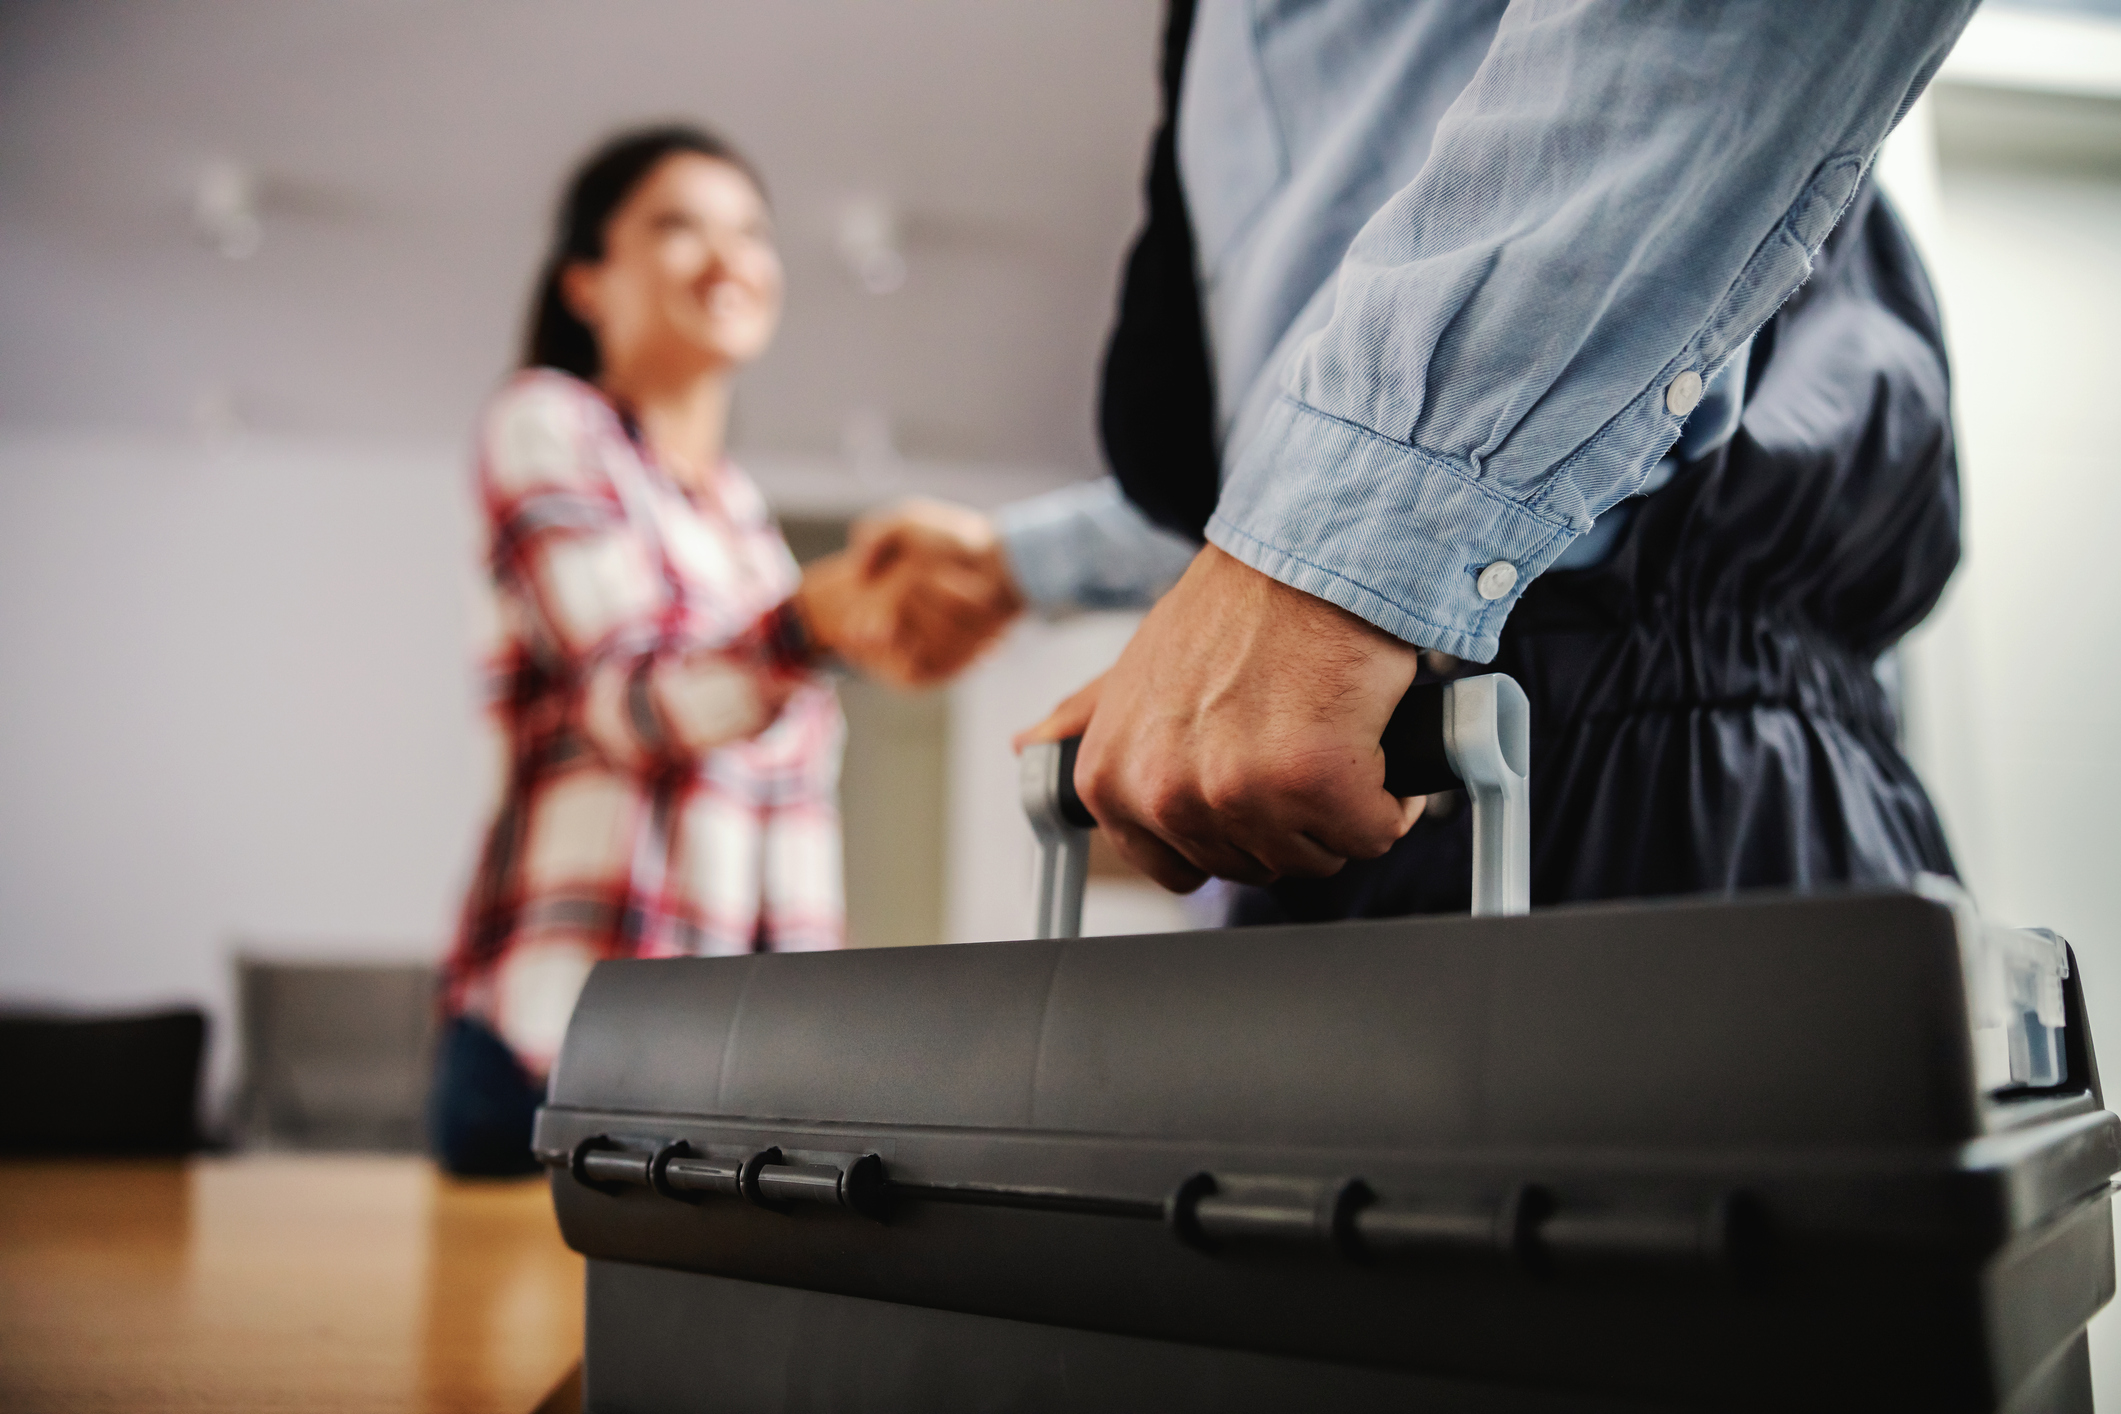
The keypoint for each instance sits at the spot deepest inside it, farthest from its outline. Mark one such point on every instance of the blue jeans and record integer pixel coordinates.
(480, 1113)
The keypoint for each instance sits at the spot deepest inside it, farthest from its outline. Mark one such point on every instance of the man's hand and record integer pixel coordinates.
(1237, 734)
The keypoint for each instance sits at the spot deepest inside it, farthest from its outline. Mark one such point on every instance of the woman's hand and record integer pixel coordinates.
(829, 603)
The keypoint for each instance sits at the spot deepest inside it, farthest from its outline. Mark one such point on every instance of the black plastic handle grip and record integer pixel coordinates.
(1416, 762)
(1072, 808)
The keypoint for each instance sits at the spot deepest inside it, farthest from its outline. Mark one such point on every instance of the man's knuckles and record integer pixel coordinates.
(1158, 860)
(1153, 799)
(1274, 787)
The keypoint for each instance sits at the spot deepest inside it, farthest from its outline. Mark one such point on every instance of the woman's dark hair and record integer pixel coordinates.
(599, 187)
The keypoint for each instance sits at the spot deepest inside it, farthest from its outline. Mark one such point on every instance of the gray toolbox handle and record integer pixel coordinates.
(1471, 733)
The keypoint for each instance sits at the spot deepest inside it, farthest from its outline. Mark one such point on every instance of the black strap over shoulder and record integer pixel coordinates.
(1156, 405)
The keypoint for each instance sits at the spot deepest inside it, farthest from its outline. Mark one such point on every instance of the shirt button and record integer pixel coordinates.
(1496, 580)
(1685, 392)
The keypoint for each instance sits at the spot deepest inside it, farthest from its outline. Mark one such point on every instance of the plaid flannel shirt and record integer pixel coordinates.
(671, 757)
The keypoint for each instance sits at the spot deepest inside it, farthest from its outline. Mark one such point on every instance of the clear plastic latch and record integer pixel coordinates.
(2014, 1003)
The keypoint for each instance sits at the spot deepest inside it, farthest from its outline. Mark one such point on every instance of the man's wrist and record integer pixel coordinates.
(1402, 538)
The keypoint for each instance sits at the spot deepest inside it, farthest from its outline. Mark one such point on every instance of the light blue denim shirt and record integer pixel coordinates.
(1466, 267)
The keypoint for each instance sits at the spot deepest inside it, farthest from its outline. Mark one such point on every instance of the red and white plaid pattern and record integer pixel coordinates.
(672, 760)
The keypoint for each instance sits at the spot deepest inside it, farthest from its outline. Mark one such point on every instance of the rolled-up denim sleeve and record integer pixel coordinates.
(1620, 198)
(1088, 547)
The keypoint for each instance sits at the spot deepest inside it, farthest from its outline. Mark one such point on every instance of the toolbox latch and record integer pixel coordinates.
(1210, 1211)
(766, 1177)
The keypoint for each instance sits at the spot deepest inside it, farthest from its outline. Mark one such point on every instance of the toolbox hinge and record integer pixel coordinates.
(1526, 1226)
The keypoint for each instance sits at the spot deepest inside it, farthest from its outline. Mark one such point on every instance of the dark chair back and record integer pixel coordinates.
(101, 1084)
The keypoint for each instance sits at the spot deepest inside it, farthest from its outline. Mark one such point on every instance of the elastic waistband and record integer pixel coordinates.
(1712, 666)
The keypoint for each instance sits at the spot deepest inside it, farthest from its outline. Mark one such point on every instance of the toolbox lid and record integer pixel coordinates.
(1679, 1024)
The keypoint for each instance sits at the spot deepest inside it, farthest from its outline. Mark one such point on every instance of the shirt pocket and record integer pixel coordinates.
(1231, 157)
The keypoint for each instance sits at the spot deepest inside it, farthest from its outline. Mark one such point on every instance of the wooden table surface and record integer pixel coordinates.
(281, 1283)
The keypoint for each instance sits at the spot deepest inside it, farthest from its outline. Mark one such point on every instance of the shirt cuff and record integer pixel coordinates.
(1089, 547)
(1409, 540)
(785, 640)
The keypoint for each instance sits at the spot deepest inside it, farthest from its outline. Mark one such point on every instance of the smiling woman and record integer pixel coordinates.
(673, 752)
(664, 256)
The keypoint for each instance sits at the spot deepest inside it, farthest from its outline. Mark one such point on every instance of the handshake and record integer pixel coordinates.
(921, 590)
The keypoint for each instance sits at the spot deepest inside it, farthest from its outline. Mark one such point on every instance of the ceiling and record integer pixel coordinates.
(408, 153)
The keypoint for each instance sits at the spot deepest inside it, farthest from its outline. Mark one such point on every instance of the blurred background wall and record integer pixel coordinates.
(260, 263)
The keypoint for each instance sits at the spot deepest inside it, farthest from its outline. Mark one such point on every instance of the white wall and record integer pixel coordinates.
(236, 706)
(2019, 714)
(2014, 689)
(2023, 697)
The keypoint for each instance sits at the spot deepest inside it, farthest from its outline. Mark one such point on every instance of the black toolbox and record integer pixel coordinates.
(1825, 1152)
